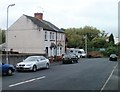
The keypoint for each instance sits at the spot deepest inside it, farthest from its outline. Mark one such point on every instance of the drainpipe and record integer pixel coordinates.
(56, 44)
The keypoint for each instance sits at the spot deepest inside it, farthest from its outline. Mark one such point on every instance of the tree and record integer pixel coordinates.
(2, 36)
(111, 39)
(76, 36)
(99, 43)
(111, 50)
(103, 34)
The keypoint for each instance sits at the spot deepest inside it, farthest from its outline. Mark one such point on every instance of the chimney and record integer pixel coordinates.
(39, 16)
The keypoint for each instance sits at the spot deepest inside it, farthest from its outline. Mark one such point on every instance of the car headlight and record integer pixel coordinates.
(17, 65)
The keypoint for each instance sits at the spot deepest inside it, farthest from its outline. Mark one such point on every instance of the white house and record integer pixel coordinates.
(35, 35)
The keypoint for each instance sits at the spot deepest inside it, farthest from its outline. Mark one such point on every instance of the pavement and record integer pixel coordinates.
(56, 63)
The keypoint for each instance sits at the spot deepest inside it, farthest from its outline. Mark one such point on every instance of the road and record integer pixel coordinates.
(87, 74)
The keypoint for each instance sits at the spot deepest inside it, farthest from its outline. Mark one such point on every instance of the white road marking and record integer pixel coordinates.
(108, 79)
(27, 81)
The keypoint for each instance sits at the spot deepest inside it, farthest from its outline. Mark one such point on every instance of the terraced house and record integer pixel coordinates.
(35, 35)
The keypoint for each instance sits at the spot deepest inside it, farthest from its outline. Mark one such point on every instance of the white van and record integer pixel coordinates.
(79, 52)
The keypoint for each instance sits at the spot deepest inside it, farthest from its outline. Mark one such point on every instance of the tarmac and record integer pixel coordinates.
(112, 84)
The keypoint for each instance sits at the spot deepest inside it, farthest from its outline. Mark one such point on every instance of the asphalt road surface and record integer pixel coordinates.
(87, 74)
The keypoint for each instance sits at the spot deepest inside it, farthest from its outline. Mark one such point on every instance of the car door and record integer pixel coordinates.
(39, 63)
(43, 61)
(4, 68)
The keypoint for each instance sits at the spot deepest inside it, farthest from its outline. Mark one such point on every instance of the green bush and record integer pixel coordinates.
(110, 50)
(104, 53)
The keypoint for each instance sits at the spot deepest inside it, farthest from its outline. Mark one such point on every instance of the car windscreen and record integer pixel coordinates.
(113, 55)
(31, 59)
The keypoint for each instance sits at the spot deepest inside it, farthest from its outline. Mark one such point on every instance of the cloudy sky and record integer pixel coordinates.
(102, 14)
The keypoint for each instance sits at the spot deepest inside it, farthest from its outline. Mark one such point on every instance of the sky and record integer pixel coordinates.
(102, 14)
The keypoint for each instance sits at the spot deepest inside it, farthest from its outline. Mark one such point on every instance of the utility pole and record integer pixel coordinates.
(86, 44)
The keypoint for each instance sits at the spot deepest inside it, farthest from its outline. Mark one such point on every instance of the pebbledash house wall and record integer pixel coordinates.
(25, 37)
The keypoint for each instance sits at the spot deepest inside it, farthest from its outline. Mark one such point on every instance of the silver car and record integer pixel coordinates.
(33, 63)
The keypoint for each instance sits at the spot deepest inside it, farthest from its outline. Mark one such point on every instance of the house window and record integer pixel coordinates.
(45, 35)
(53, 36)
(50, 35)
(58, 36)
(63, 37)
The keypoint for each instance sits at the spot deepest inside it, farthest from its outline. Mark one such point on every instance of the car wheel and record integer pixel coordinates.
(72, 61)
(110, 59)
(47, 66)
(18, 70)
(9, 72)
(34, 68)
(76, 61)
(63, 62)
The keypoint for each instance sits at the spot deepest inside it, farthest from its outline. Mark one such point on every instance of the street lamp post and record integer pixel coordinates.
(7, 33)
(86, 44)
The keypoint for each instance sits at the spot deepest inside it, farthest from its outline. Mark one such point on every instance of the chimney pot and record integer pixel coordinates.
(39, 16)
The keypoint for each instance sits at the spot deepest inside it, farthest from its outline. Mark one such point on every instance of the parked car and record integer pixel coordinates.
(33, 63)
(113, 57)
(7, 69)
(70, 58)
